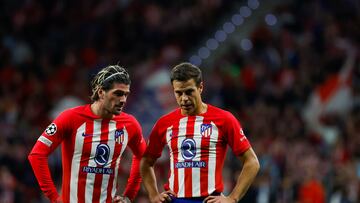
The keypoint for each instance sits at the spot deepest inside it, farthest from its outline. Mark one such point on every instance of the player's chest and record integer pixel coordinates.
(109, 133)
(198, 129)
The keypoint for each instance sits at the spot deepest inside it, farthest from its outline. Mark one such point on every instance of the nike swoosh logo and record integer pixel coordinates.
(85, 135)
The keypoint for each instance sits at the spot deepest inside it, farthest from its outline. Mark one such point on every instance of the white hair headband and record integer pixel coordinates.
(112, 75)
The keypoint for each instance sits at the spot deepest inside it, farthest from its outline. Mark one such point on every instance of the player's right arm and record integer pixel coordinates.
(152, 153)
(38, 157)
(149, 180)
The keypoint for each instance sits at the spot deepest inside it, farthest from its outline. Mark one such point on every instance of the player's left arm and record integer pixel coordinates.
(137, 145)
(248, 173)
(241, 147)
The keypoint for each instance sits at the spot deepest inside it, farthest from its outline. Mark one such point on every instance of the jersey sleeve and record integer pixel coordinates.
(157, 141)
(235, 135)
(48, 141)
(138, 146)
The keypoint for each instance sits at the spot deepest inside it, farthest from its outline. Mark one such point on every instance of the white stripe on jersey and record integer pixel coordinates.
(90, 179)
(75, 163)
(181, 171)
(196, 170)
(126, 139)
(111, 144)
(212, 158)
(169, 134)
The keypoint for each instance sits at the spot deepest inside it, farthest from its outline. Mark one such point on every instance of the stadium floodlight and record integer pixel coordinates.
(237, 19)
(212, 44)
(204, 52)
(228, 27)
(270, 19)
(245, 11)
(196, 60)
(220, 35)
(246, 44)
(253, 4)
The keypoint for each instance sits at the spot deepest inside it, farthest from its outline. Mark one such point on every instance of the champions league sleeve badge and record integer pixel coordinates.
(51, 129)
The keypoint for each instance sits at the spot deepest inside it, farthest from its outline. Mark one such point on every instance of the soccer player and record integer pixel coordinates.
(93, 138)
(197, 135)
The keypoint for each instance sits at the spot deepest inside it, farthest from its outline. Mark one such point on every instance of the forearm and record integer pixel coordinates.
(149, 179)
(42, 174)
(249, 171)
(134, 181)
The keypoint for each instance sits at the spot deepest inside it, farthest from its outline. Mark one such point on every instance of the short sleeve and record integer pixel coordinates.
(235, 135)
(156, 141)
(137, 142)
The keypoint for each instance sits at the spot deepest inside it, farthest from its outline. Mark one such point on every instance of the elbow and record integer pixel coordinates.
(256, 165)
(146, 164)
(31, 157)
(143, 166)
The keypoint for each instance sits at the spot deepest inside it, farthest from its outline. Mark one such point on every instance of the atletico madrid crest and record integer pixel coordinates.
(206, 130)
(119, 136)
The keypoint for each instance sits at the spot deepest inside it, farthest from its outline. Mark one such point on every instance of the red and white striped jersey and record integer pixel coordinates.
(197, 146)
(91, 154)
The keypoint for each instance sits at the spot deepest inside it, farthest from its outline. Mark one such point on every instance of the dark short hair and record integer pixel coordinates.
(106, 77)
(186, 71)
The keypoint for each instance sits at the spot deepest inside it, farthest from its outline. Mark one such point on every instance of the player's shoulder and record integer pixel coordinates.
(216, 110)
(74, 110)
(170, 116)
(128, 116)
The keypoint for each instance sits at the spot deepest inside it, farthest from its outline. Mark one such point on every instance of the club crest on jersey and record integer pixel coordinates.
(119, 136)
(51, 129)
(206, 130)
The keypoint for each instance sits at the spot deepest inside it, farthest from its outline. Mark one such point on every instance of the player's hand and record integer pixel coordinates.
(219, 199)
(165, 196)
(121, 199)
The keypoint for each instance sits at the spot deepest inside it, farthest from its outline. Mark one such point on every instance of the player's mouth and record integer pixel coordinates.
(186, 107)
(119, 107)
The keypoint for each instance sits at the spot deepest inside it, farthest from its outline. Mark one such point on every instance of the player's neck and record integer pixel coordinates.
(203, 108)
(97, 109)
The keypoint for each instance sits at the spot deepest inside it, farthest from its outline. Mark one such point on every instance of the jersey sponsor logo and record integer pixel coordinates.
(102, 154)
(206, 130)
(97, 170)
(190, 164)
(51, 129)
(119, 136)
(188, 149)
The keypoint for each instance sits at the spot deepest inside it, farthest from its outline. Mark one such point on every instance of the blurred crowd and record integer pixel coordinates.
(296, 92)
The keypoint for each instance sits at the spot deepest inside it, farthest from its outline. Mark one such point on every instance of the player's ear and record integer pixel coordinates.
(201, 87)
(101, 93)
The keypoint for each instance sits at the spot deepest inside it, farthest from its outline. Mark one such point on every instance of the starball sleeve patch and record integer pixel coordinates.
(51, 129)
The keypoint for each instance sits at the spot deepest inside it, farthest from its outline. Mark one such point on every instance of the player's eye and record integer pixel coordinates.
(121, 93)
(189, 92)
(178, 93)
